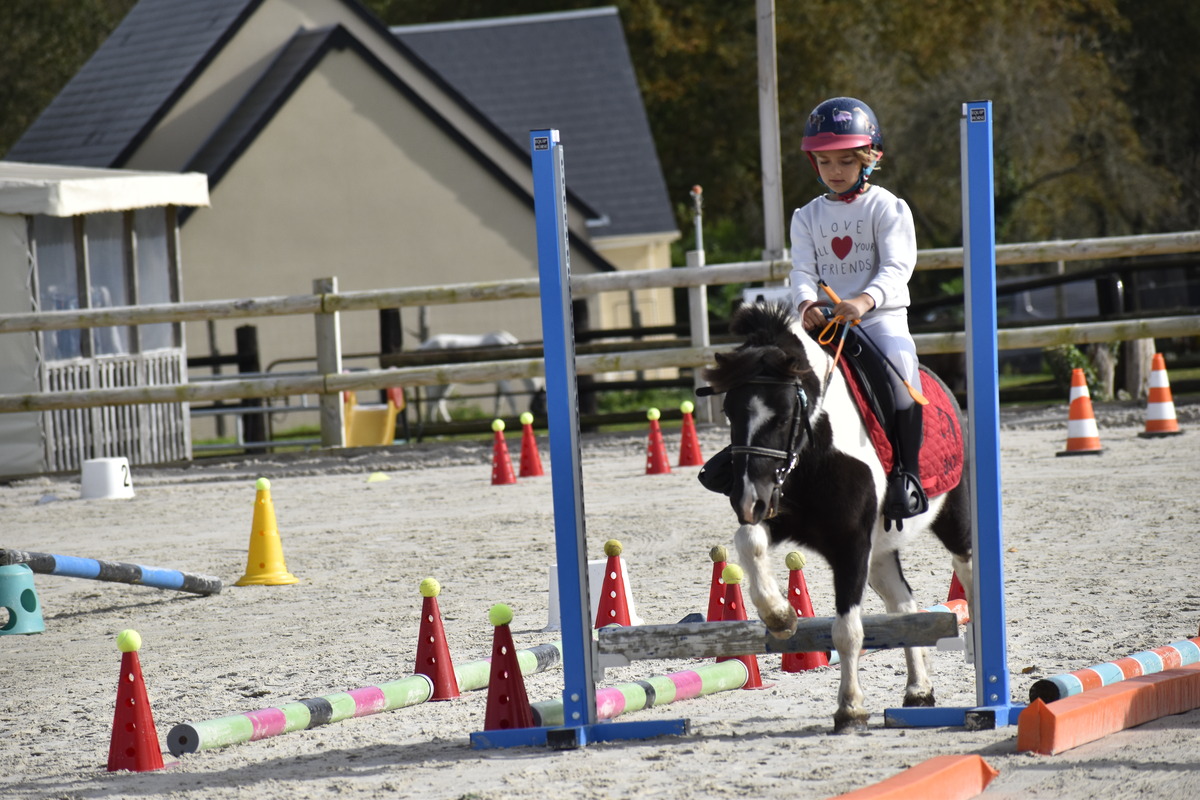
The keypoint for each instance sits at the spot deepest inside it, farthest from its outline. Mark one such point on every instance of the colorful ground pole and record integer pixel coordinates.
(115, 571)
(190, 737)
(658, 690)
(1147, 662)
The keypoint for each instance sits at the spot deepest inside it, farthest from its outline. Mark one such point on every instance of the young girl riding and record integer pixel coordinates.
(859, 240)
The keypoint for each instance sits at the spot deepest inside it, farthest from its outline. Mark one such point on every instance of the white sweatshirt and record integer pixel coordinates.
(869, 245)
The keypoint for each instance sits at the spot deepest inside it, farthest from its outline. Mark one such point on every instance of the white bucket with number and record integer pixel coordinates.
(106, 479)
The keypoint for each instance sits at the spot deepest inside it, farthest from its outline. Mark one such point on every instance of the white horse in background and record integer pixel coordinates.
(435, 396)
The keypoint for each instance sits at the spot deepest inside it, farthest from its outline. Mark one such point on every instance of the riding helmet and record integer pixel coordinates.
(842, 123)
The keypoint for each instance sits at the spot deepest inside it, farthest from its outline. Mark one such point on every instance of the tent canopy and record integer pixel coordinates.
(60, 191)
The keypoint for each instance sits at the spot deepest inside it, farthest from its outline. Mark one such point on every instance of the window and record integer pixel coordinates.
(58, 281)
(109, 284)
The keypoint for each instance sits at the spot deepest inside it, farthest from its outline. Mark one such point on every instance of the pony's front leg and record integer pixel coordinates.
(752, 543)
(850, 716)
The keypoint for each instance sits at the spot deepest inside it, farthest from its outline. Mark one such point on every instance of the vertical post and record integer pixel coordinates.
(566, 475)
(987, 628)
(329, 362)
(562, 407)
(698, 305)
(768, 122)
(983, 411)
(254, 426)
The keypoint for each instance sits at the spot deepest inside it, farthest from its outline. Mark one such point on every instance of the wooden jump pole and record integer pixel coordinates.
(619, 646)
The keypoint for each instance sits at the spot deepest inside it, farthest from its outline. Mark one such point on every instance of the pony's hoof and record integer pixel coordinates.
(850, 721)
(917, 700)
(781, 626)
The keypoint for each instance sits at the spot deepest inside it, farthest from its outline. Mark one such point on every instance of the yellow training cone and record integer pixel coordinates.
(265, 565)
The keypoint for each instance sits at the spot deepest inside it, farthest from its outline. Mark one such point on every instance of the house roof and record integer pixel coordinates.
(590, 94)
(60, 191)
(105, 112)
(569, 71)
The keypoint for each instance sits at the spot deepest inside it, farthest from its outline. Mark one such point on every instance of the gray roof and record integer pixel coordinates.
(569, 71)
(587, 89)
(109, 107)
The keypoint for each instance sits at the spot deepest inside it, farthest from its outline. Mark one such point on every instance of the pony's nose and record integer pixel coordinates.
(750, 508)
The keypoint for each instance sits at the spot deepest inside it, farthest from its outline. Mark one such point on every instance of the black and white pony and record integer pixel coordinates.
(506, 390)
(803, 470)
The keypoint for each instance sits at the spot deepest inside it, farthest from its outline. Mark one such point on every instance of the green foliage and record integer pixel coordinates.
(1093, 131)
(641, 399)
(1064, 359)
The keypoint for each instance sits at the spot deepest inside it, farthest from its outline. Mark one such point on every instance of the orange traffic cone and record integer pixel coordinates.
(799, 599)
(1083, 437)
(957, 592)
(689, 445)
(134, 744)
(613, 608)
(531, 459)
(656, 451)
(1160, 408)
(264, 563)
(507, 702)
(716, 589)
(433, 654)
(736, 610)
(502, 469)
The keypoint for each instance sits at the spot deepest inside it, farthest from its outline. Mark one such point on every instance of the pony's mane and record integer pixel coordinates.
(771, 349)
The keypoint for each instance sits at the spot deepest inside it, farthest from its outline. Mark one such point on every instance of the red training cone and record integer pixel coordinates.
(957, 592)
(799, 600)
(502, 469)
(531, 459)
(716, 589)
(134, 744)
(735, 610)
(689, 445)
(1160, 407)
(507, 703)
(656, 451)
(433, 653)
(614, 607)
(1083, 437)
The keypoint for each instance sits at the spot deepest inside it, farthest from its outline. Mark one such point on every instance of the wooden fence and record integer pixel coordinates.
(325, 302)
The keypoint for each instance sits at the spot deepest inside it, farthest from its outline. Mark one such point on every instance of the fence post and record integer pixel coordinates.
(329, 362)
(254, 427)
(698, 307)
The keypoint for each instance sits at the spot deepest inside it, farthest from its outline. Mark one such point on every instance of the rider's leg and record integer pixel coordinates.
(905, 496)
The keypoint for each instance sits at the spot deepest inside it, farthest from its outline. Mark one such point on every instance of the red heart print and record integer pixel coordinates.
(842, 245)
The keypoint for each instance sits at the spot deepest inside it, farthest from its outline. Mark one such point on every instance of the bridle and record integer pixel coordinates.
(800, 433)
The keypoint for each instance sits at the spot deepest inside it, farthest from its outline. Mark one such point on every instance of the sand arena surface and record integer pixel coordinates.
(1100, 562)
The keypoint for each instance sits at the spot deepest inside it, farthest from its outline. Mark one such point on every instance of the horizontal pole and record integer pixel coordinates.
(813, 635)
(488, 371)
(114, 571)
(581, 285)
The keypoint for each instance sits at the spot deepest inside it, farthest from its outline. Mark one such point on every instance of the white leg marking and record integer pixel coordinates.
(848, 639)
(752, 542)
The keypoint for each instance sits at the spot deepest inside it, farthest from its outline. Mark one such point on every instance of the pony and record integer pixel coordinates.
(435, 396)
(801, 468)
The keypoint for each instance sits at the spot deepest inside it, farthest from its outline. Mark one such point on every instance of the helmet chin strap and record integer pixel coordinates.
(854, 191)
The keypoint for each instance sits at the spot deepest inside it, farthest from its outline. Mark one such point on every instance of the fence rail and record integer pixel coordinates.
(325, 303)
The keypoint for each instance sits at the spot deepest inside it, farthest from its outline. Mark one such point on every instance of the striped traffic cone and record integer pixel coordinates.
(1160, 408)
(1083, 438)
(613, 608)
(656, 450)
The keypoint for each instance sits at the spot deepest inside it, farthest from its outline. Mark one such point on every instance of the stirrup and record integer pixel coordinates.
(905, 497)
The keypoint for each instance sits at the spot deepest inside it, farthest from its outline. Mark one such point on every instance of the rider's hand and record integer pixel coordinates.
(854, 308)
(810, 315)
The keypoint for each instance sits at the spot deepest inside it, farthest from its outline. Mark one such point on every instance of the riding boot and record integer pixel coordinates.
(905, 495)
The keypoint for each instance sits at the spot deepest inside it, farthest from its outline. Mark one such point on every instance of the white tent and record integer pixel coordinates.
(76, 237)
